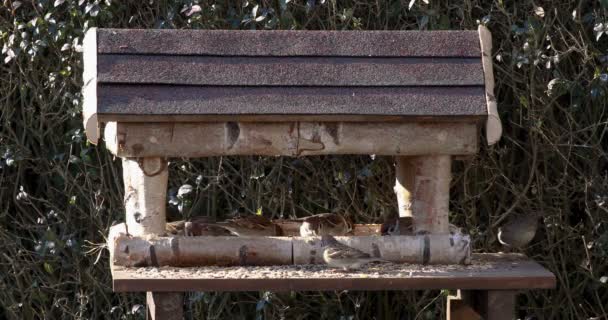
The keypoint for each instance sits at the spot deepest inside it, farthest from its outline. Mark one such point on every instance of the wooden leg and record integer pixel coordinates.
(423, 191)
(145, 202)
(405, 172)
(492, 304)
(165, 306)
(145, 195)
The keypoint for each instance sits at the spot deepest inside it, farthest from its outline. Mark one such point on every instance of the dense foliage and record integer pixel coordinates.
(59, 195)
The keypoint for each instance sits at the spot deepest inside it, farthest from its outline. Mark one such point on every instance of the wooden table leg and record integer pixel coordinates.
(422, 186)
(494, 304)
(482, 304)
(145, 202)
(165, 305)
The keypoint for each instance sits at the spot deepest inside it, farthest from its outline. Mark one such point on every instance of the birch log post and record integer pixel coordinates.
(145, 199)
(205, 139)
(405, 173)
(145, 192)
(130, 251)
(430, 206)
(421, 249)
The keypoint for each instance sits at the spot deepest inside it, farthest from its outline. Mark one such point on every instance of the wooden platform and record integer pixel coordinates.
(487, 272)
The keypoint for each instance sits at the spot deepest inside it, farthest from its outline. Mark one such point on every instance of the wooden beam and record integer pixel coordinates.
(205, 139)
(431, 201)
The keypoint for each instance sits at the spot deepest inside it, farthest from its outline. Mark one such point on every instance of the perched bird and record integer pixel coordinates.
(338, 255)
(518, 231)
(199, 226)
(325, 223)
(252, 225)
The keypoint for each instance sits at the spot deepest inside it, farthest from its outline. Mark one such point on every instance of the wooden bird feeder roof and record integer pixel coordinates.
(181, 76)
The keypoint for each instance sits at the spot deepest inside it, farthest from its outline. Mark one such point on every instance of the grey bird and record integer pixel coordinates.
(518, 231)
(338, 255)
(325, 223)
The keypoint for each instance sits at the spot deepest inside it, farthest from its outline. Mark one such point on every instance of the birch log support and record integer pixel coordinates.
(405, 173)
(421, 249)
(145, 199)
(205, 139)
(145, 192)
(130, 251)
(431, 193)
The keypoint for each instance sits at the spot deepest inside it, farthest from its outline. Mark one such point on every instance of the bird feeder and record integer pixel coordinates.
(420, 96)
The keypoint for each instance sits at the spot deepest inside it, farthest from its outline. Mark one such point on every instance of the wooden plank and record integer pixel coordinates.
(289, 71)
(290, 139)
(290, 43)
(165, 306)
(139, 100)
(487, 272)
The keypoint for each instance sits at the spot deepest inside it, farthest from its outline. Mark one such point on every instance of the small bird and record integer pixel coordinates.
(199, 226)
(338, 255)
(325, 223)
(518, 231)
(251, 226)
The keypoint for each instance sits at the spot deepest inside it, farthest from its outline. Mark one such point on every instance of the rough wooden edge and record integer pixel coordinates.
(289, 139)
(493, 124)
(89, 90)
(421, 278)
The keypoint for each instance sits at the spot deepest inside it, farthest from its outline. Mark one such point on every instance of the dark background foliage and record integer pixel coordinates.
(59, 195)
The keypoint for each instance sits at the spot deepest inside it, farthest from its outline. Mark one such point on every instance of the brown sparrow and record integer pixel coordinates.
(251, 226)
(518, 231)
(325, 223)
(199, 226)
(338, 255)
